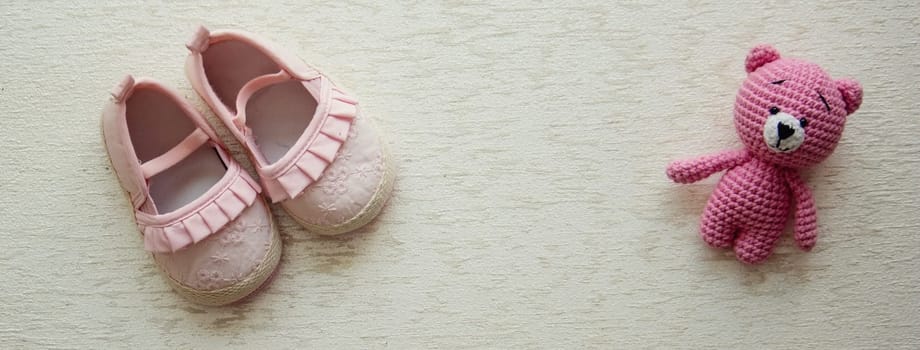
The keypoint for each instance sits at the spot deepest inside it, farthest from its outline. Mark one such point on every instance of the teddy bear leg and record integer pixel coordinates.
(753, 246)
(716, 230)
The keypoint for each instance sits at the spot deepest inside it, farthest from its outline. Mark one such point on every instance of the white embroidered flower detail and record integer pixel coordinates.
(236, 277)
(235, 226)
(234, 237)
(378, 162)
(334, 182)
(326, 208)
(260, 225)
(353, 130)
(236, 232)
(220, 258)
(208, 279)
(344, 155)
(364, 170)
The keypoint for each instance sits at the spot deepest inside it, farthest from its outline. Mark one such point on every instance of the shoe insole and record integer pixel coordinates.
(231, 64)
(187, 180)
(278, 114)
(156, 124)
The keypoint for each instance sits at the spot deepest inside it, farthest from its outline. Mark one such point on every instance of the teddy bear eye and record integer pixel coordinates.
(774, 110)
(803, 122)
(824, 101)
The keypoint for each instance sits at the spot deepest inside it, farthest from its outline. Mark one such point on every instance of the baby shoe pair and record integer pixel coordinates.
(199, 212)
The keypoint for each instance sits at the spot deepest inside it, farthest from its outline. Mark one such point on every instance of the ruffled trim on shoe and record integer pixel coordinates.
(211, 216)
(313, 160)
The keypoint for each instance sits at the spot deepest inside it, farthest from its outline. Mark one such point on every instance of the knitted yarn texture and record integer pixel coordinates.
(790, 114)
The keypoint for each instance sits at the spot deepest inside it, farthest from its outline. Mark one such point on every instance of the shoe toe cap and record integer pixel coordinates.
(225, 258)
(348, 185)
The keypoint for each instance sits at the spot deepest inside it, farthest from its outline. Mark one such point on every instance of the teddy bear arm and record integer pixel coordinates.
(689, 171)
(806, 223)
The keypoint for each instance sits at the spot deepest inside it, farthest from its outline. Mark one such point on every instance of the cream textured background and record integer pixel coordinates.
(531, 208)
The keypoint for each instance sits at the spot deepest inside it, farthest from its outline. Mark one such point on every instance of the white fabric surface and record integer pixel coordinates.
(531, 208)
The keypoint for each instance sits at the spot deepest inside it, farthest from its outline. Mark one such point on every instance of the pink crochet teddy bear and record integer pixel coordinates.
(790, 115)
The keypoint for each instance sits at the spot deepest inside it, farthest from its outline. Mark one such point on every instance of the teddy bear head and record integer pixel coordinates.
(789, 112)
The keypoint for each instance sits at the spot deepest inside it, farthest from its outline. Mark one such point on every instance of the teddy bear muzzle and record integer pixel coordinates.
(783, 133)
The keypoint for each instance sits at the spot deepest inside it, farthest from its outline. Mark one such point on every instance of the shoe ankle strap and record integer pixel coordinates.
(181, 151)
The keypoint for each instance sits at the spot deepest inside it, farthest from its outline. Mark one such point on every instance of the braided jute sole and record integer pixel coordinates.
(239, 290)
(367, 214)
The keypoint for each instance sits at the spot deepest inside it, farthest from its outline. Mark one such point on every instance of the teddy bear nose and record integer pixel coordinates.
(785, 131)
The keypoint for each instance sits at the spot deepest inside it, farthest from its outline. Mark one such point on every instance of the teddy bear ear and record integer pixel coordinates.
(759, 56)
(852, 94)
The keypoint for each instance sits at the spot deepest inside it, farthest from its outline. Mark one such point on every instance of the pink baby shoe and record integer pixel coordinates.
(200, 214)
(314, 150)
